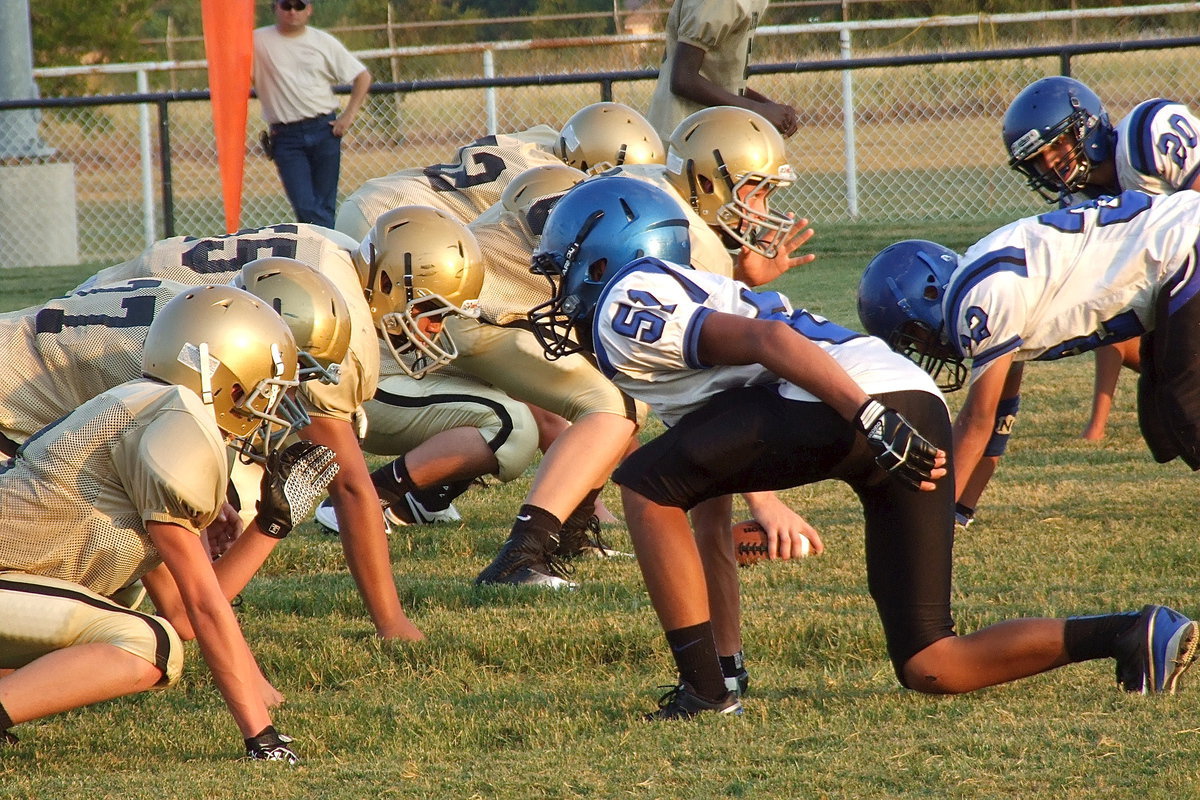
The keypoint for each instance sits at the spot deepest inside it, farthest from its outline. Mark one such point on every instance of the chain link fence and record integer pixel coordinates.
(920, 141)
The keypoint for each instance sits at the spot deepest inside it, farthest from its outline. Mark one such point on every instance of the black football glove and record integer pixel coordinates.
(291, 485)
(270, 745)
(899, 449)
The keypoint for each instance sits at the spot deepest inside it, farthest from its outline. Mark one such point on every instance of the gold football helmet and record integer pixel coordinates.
(606, 135)
(310, 305)
(418, 265)
(713, 155)
(236, 353)
(547, 182)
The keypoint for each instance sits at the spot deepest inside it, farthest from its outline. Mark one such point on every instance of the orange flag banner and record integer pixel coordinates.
(229, 48)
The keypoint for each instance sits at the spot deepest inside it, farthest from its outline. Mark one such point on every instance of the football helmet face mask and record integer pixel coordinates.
(596, 229)
(1062, 115)
(237, 355)
(606, 135)
(900, 301)
(310, 305)
(727, 162)
(417, 266)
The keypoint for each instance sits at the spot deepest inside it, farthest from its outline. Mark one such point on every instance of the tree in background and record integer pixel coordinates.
(70, 32)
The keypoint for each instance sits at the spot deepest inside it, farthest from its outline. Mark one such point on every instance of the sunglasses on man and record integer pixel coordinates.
(293, 5)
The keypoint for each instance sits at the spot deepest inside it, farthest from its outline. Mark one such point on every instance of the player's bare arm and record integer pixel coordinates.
(217, 630)
(732, 339)
(363, 537)
(974, 423)
(687, 82)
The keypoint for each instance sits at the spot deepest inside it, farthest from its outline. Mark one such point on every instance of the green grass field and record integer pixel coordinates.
(519, 694)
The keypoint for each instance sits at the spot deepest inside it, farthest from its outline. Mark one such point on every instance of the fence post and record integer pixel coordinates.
(848, 128)
(394, 63)
(164, 148)
(148, 233)
(489, 71)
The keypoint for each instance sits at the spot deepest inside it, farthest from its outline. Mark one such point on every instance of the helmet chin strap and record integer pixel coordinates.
(206, 390)
(372, 271)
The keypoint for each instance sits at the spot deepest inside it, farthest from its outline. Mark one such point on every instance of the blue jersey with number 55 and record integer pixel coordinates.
(646, 336)
(1070, 280)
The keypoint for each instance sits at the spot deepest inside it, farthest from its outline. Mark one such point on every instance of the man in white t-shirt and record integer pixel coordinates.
(295, 69)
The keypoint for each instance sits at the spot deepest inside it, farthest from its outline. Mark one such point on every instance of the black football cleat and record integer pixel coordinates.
(682, 702)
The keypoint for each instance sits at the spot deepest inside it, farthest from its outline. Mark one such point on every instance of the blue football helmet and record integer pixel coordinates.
(1044, 112)
(597, 228)
(900, 301)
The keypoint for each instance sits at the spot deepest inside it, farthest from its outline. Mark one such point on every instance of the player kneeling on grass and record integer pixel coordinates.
(123, 488)
(758, 396)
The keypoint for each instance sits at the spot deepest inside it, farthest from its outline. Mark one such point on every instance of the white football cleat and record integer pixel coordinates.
(424, 516)
(326, 516)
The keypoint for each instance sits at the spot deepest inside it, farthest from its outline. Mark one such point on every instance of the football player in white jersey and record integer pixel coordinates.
(596, 135)
(759, 396)
(1058, 135)
(336, 410)
(121, 489)
(1046, 287)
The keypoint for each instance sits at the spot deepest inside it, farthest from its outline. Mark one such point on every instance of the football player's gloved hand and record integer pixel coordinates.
(899, 449)
(291, 485)
(270, 745)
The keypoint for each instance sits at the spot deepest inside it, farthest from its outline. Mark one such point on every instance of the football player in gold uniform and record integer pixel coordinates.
(420, 267)
(707, 61)
(122, 489)
(335, 409)
(469, 184)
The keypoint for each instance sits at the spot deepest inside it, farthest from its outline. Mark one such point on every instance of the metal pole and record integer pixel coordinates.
(18, 128)
(164, 152)
(848, 128)
(489, 71)
(394, 63)
(143, 87)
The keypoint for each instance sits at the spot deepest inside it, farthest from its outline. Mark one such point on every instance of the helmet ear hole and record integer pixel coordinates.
(596, 269)
(931, 292)
(385, 283)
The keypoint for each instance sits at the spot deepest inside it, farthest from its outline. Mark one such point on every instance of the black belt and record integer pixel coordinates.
(280, 125)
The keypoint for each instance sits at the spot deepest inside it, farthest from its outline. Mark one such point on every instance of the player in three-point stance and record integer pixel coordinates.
(1046, 287)
(122, 489)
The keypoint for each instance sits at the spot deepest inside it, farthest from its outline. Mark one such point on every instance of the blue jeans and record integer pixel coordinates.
(308, 157)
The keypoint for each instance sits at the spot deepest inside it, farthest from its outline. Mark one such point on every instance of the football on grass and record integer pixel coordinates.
(749, 542)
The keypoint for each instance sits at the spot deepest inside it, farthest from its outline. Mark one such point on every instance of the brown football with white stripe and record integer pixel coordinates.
(749, 543)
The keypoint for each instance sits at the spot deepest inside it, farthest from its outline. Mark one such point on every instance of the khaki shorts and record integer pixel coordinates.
(511, 359)
(405, 413)
(40, 615)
